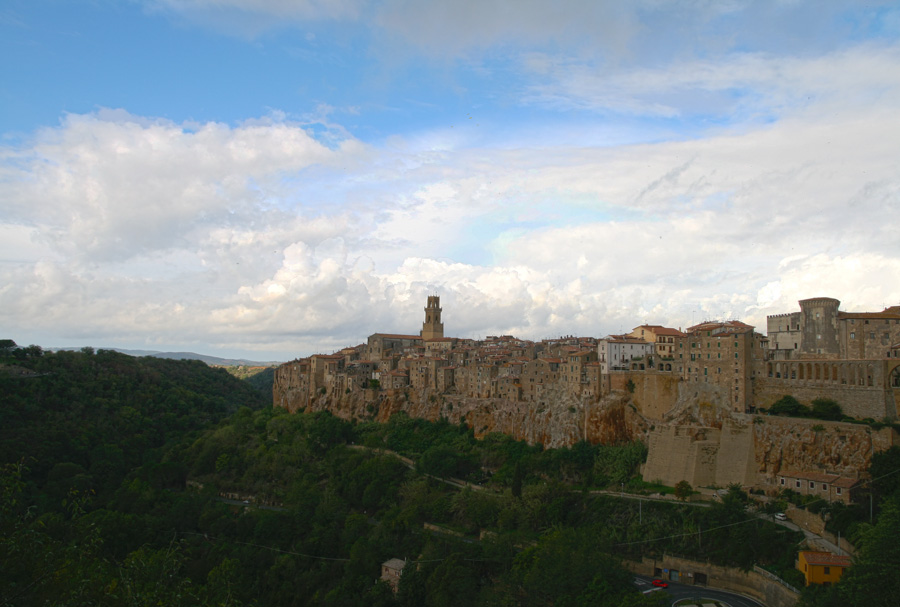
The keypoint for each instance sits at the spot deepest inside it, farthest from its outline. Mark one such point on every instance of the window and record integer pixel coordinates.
(812, 484)
(827, 570)
(852, 335)
(782, 481)
(838, 490)
(797, 484)
(824, 486)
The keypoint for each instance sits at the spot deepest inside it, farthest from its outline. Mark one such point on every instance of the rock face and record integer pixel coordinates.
(559, 420)
(791, 444)
(699, 439)
(705, 443)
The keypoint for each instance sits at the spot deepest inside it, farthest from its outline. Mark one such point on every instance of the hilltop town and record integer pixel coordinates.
(698, 397)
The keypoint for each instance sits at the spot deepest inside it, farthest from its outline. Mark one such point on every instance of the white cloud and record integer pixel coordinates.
(269, 11)
(264, 236)
(111, 186)
(742, 86)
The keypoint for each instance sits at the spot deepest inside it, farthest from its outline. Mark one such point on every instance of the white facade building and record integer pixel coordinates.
(615, 352)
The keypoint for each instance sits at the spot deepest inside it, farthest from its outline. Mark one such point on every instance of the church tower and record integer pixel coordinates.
(433, 328)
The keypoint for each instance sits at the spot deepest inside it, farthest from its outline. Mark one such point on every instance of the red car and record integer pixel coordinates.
(660, 583)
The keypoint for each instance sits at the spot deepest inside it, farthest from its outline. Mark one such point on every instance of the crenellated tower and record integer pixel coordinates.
(433, 328)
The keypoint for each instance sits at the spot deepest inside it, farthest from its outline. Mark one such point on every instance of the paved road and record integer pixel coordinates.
(682, 591)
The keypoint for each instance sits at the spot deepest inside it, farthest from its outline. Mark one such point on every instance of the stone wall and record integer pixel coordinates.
(861, 387)
(655, 392)
(793, 444)
(856, 401)
(702, 456)
(752, 450)
(756, 583)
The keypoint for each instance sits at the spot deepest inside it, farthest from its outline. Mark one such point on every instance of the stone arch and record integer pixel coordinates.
(870, 373)
(895, 378)
(802, 373)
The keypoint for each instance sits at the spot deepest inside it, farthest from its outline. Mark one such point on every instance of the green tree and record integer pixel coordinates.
(789, 406)
(683, 490)
(827, 409)
(518, 477)
(872, 580)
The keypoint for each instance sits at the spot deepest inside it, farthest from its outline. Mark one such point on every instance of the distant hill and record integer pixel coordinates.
(209, 360)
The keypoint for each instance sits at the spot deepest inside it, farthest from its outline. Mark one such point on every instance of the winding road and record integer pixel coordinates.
(678, 592)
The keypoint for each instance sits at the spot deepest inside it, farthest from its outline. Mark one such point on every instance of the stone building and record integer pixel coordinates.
(728, 354)
(433, 328)
(615, 352)
(391, 571)
(663, 338)
(850, 357)
(821, 331)
(830, 487)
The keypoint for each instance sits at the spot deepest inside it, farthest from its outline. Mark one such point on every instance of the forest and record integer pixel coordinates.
(141, 481)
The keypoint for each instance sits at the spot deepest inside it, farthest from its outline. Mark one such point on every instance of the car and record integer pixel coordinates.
(660, 583)
(781, 516)
(246, 501)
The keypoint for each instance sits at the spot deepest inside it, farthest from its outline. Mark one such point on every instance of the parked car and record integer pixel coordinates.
(781, 516)
(660, 583)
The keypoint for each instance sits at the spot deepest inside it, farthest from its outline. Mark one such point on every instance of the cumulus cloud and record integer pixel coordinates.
(109, 186)
(275, 236)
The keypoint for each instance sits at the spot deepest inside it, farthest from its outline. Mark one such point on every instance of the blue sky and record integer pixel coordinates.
(272, 178)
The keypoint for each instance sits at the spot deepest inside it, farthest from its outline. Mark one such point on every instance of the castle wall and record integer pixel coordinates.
(736, 461)
(752, 451)
(678, 453)
(654, 394)
(860, 387)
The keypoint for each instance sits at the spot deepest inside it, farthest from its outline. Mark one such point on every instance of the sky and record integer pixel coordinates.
(270, 179)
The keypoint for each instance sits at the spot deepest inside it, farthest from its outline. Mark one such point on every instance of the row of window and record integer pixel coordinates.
(812, 485)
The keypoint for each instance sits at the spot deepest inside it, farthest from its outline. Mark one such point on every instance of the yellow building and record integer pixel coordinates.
(822, 567)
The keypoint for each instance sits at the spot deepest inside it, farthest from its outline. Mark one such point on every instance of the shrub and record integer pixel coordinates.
(827, 409)
(789, 406)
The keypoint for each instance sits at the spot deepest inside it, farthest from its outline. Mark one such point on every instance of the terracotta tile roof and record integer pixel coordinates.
(670, 332)
(845, 483)
(888, 313)
(821, 477)
(394, 564)
(826, 558)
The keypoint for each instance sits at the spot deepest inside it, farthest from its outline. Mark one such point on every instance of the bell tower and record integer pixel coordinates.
(433, 328)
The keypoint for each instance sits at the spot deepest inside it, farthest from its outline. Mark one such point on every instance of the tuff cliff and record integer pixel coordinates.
(705, 443)
(559, 420)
